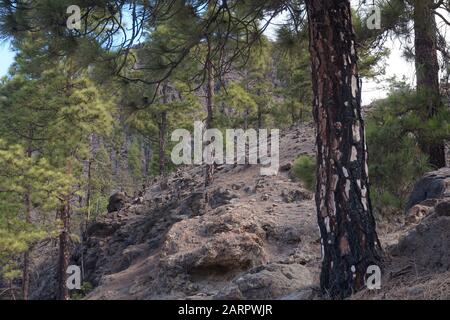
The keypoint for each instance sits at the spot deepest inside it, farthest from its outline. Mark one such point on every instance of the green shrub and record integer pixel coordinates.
(85, 289)
(304, 169)
(396, 161)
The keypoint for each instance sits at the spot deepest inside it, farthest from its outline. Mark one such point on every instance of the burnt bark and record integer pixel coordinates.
(427, 72)
(347, 226)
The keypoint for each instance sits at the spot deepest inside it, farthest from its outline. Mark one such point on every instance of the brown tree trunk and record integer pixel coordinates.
(162, 143)
(427, 72)
(88, 194)
(162, 128)
(28, 220)
(64, 255)
(209, 174)
(162, 139)
(348, 233)
(64, 243)
(27, 254)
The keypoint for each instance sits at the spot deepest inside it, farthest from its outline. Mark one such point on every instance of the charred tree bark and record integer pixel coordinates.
(348, 232)
(427, 71)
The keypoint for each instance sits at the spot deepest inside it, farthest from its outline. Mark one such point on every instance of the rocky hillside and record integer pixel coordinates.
(259, 240)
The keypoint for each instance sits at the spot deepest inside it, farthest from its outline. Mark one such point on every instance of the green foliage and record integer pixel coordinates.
(291, 55)
(47, 117)
(304, 169)
(86, 288)
(394, 133)
(22, 175)
(240, 104)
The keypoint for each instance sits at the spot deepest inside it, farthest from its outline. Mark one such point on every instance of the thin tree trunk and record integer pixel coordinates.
(63, 262)
(209, 174)
(64, 243)
(27, 254)
(260, 112)
(148, 155)
(88, 194)
(162, 143)
(162, 139)
(246, 113)
(348, 233)
(427, 71)
(162, 124)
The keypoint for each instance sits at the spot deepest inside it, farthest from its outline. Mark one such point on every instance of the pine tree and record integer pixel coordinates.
(427, 71)
(395, 16)
(346, 222)
(41, 184)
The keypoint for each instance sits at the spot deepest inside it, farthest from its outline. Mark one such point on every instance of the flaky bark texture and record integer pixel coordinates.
(427, 70)
(349, 240)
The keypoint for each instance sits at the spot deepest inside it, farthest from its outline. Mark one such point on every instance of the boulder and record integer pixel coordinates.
(271, 281)
(432, 185)
(443, 209)
(417, 213)
(221, 197)
(193, 205)
(102, 229)
(286, 167)
(117, 201)
(221, 246)
(427, 245)
(290, 196)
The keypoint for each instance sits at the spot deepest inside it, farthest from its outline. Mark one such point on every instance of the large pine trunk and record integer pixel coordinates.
(427, 71)
(348, 232)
